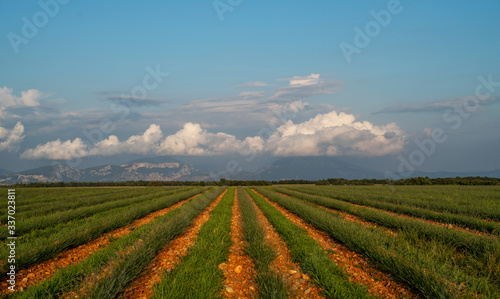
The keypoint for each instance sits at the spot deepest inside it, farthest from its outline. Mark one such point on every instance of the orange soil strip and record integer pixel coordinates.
(239, 270)
(360, 271)
(46, 269)
(169, 257)
(298, 282)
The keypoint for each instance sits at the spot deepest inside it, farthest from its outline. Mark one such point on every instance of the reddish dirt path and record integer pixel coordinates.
(169, 257)
(239, 270)
(298, 282)
(358, 268)
(40, 272)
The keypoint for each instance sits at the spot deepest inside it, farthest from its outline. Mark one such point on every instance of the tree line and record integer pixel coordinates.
(466, 181)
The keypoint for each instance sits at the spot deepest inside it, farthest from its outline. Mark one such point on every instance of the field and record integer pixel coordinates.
(283, 241)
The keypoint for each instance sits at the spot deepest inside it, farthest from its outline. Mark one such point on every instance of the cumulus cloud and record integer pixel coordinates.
(193, 140)
(330, 134)
(335, 134)
(146, 143)
(28, 97)
(57, 150)
(10, 139)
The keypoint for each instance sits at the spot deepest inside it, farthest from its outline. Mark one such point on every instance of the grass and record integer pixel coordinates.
(483, 247)
(310, 255)
(474, 201)
(473, 253)
(154, 235)
(429, 276)
(47, 219)
(88, 201)
(271, 285)
(39, 246)
(434, 261)
(198, 275)
(443, 217)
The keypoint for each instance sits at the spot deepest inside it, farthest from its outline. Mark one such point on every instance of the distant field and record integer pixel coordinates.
(284, 241)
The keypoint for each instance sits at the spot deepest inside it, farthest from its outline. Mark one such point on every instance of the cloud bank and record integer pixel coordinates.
(330, 134)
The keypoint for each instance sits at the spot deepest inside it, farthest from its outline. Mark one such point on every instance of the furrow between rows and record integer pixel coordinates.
(239, 271)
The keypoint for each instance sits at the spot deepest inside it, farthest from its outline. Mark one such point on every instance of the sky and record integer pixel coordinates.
(408, 85)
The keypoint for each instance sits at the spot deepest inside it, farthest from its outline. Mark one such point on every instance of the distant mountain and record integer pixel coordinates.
(149, 169)
(314, 168)
(166, 168)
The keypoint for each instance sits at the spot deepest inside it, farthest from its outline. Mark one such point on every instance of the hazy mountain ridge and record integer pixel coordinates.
(149, 169)
(166, 168)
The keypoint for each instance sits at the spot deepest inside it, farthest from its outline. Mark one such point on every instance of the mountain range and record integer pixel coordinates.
(166, 168)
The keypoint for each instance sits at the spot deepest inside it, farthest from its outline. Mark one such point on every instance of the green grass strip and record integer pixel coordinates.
(312, 258)
(271, 285)
(417, 268)
(198, 275)
(154, 235)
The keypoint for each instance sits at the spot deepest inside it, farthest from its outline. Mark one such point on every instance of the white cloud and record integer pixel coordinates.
(57, 150)
(312, 79)
(28, 98)
(335, 134)
(11, 139)
(330, 134)
(137, 144)
(193, 140)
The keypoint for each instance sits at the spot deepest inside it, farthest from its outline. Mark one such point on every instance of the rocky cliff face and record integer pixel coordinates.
(153, 169)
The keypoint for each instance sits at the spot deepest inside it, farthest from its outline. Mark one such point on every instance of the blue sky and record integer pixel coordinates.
(89, 57)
